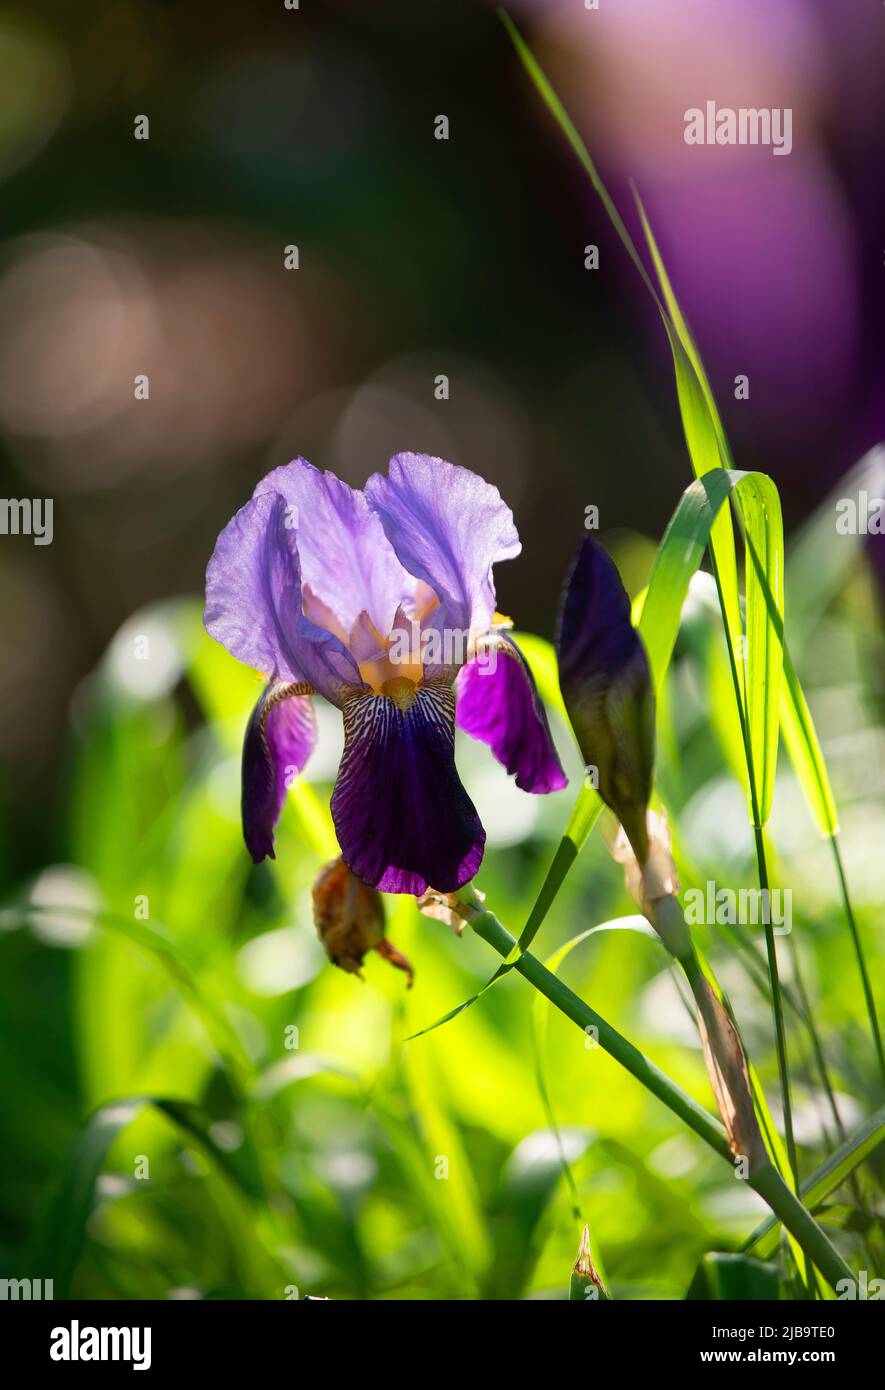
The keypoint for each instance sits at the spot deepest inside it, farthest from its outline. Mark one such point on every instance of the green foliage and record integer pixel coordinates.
(357, 1164)
(728, 1277)
(203, 1106)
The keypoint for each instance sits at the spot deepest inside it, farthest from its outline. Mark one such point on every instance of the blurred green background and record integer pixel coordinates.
(143, 959)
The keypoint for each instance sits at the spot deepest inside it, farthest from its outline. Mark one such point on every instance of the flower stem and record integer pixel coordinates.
(765, 1179)
(609, 1039)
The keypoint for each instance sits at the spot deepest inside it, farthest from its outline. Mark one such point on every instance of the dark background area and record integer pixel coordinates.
(417, 257)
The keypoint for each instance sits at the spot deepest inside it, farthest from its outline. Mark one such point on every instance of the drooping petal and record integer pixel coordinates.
(606, 685)
(253, 602)
(347, 561)
(279, 739)
(448, 527)
(498, 703)
(403, 819)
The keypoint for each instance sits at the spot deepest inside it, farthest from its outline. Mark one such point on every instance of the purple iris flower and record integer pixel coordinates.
(382, 602)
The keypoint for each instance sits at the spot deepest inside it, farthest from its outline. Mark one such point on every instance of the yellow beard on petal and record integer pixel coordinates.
(401, 691)
(380, 672)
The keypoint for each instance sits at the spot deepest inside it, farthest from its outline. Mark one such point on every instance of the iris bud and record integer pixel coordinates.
(606, 685)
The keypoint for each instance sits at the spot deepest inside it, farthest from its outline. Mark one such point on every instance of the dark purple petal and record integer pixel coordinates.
(279, 740)
(498, 703)
(606, 685)
(596, 638)
(403, 819)
(253, 602)
(346, 559)
(448, 527)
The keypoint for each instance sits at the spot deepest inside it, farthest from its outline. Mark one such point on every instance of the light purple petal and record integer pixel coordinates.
(403, 819)
(448, 527)
(279, 740)
(346, 559)
(498, 703)
(253, 602)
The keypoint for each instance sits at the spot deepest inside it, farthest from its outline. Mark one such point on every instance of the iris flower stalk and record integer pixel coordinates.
(608, 693)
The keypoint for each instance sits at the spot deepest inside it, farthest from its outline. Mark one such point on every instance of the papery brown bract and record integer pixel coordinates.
(349, 918)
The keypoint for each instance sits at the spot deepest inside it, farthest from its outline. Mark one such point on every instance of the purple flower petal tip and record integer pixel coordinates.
(596, 637)
(498, 703)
